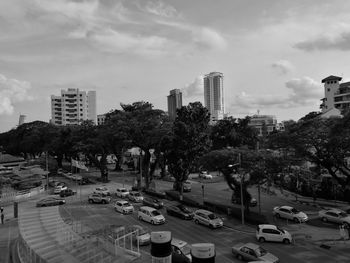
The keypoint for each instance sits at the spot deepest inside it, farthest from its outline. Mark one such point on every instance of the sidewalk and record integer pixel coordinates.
(8, 233)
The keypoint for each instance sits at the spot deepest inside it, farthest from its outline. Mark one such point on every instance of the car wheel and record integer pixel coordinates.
(90, 201)
(103, 201)
(346, 224)
(211, 226)
(239, 257)
(296, 220)
(196, 221)
(183, 217)
(140, 218)
(286, 241)
(152, 222)
(278, 215)
(324, 219)
(261, 239)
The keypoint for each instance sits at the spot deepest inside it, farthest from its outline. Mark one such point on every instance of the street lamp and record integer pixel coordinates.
(242, 205)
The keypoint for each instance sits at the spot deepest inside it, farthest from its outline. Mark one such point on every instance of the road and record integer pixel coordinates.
(96, 216)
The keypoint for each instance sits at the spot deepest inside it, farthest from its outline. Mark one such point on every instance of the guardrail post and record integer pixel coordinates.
(161, 247)
(203, 253)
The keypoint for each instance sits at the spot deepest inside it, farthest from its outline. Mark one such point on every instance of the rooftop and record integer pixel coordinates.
(331, 77)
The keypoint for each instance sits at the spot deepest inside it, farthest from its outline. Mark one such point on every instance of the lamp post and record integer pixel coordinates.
(242, 205)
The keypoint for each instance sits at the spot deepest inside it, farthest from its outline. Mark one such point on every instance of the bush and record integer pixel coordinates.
(155, 193)
(174, 195)
(235, 212)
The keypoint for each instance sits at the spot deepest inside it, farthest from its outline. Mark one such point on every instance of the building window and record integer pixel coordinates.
(328, 89)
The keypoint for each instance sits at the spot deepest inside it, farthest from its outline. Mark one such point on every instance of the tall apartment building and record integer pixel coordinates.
(101, 118)
(214, 95)
(336, 94)
(73, 107)
(174, 102)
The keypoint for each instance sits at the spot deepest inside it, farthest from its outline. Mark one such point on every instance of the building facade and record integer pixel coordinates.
(73, 107)
(265, 124)
(101, 119)
(337, 95)
(214, 95)
(174, 102)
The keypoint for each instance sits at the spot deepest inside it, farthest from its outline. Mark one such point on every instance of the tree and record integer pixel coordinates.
(231, 132)
(188, 141)
(145, 128)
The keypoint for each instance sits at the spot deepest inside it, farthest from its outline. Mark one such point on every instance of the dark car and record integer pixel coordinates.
(67, 192)
(237, 200)
(180, 211)
(152, 202)
(50, 201)
(85, 181)
(186, 186)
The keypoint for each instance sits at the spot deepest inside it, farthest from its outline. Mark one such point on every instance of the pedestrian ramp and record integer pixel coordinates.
(45, 237)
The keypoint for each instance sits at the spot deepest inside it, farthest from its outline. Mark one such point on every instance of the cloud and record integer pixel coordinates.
(208, 38)
(338, 42)
(195, 88)
(302, 92)
(161, 9)
(282, 67)
(12, 91)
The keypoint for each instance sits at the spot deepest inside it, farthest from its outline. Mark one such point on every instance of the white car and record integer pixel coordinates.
(207, 218)
(150, 215)
(290, 213)
(205, 175)
(334, 215)
(122, 192)
(102, 190)
(272, 233)
(123, 207)
(135, 196)
(60, 188)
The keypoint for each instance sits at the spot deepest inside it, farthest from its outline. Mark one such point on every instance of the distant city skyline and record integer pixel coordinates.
(273, 53)
(174, 102)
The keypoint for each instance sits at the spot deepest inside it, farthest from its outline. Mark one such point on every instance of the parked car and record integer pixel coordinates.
(150, 215)
(290, 213)
(153, 202)
(67, 192)
(181, 251)
(186, 186)
(141, 235)
(205, 175)
(237, 200)
(135, 196)
(50, 201)
(54, 183)
(124, 207)
(99, 198)
(60, 187)
(85, 181)
(335, 215)
(272, 233)
(346, 209)
(180, 211)
(253, 252)
(102, 190)
(207, 218)
(122, 192)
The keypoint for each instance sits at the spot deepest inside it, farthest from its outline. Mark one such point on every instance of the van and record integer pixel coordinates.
(272, 233)
(150, 215)
(207, 218)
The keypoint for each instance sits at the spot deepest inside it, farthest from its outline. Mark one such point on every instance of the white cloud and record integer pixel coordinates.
(206, 37)
(161, 9)
(283, 67)
(12, 91)
(302, 92)
(195, 88)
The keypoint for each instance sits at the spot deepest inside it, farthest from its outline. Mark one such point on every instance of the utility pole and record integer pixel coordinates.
(47, 171)
(241, 184)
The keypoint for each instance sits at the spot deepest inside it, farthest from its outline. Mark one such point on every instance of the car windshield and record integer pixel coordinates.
(260, 252)
(212, 216)
(186, 250)
(126, 204)
(155, 213)
(184, 209)
(123, 190)
(343, 214)
(294, 211)
(281, 230)
(137, 194)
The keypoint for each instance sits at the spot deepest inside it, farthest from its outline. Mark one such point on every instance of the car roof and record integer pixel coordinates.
(251, 245)
(178, 243)
(122, 202)
(204, 211)
(147, 208)
(268, 226)
(335, 210)
(121, 188)
(286, 207)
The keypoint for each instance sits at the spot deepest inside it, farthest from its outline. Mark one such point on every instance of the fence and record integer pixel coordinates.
(10, 195)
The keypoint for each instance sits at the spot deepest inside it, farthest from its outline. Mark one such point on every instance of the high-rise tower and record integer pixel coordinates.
(214, 95)
(174, 102)
(73, 107)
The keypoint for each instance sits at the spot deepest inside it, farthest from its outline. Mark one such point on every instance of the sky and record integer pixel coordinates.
(273, 53)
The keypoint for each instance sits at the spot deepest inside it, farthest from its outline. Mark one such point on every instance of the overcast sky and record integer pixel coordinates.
(273, 53)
